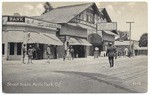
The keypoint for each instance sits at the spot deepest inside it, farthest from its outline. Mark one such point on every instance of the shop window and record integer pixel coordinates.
(3, 49)
(19, 48)
(12, 46)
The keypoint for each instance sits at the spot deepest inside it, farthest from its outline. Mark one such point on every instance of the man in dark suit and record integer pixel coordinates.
(111, 51)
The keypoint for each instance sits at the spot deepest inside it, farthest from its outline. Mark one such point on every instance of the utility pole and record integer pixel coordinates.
(130, 36)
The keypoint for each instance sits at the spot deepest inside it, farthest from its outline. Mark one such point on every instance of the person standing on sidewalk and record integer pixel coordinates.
(96, 52)
(68, 54)
(30, 54)
(24, 50)
(72, 52)
(111, 50)
(48, 53)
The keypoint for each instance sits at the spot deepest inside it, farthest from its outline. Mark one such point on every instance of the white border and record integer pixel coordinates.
(72, 1)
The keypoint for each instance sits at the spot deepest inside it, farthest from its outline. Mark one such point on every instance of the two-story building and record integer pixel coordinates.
(80, 27)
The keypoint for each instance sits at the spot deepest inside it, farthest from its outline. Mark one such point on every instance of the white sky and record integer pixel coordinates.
(120, 12)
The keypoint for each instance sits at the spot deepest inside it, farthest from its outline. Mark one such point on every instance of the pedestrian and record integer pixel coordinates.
(111, 50)
(68, 55)
(126, 51)
(24, 50)
(48, 53)
(72, 52)
(30, 54)
(96, 52)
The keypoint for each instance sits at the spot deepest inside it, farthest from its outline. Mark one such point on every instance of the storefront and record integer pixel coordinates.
(76, 37)
(19, 30)
(83, 21)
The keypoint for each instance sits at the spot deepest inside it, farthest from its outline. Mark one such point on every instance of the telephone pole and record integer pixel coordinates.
(130, 36)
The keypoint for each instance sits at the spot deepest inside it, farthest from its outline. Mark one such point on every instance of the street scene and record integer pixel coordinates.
(80, 75)
(74, 47)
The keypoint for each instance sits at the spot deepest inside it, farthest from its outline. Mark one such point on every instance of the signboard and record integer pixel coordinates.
(41, 23)
(16, 19)
(107, 26)
(29, 21)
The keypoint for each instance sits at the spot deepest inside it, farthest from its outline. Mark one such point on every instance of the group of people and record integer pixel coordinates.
(30, 51)
(69, 53)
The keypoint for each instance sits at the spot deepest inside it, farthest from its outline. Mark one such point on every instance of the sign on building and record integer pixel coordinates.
(107, 26)
(16, 19)
(23, 20)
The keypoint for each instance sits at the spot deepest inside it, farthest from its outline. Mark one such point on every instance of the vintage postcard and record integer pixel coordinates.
(74, 47)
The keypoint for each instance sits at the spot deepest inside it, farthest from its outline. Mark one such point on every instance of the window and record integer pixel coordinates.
(3, 49)
(11, 50)
(18, 48)
(90, 18)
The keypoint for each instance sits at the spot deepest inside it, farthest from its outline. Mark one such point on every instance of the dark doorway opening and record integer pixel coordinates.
(79, 51)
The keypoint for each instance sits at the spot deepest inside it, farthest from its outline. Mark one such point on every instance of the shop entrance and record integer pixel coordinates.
(79, 51)
(38, 50)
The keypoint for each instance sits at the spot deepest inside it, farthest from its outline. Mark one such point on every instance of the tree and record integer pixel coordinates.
(47, 7)
(143, 42)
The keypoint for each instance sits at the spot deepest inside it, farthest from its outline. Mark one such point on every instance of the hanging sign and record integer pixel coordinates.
(107, 26)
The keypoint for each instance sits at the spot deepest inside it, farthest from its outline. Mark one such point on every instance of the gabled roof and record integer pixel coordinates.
(65, 14)
(105, 14)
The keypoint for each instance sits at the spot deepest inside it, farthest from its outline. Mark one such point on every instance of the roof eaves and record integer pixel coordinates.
(82, 11)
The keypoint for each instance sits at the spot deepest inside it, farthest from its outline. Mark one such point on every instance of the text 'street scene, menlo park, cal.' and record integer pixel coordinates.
(74, 47)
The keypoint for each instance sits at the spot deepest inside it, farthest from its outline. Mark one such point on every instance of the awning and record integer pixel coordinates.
(53, 39)
(37, 38)
(44, 39)
(74, 41)
(95, 39)
(78, 41)
(109, 32)
(84, 42)
(12, 36)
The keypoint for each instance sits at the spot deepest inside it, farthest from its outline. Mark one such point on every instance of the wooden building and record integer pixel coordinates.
(79, 27)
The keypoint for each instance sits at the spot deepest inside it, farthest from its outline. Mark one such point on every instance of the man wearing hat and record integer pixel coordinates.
(111, 51)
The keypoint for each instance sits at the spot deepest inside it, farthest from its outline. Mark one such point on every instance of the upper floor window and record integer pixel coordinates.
(90, 18)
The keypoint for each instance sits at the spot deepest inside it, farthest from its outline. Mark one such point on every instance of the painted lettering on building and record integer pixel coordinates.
(107, 26)
(16, 19)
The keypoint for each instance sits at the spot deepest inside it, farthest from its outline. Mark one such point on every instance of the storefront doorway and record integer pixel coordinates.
(79, 51)
(38, 50)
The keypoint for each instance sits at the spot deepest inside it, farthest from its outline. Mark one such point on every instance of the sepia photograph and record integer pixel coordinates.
(74, 47)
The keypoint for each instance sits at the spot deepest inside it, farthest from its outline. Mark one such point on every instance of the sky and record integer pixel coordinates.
(120, 12)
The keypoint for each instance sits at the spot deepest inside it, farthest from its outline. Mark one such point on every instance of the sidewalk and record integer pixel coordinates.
(89, 59)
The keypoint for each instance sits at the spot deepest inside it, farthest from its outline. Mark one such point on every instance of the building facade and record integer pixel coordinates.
(21, 30)
(80, 22)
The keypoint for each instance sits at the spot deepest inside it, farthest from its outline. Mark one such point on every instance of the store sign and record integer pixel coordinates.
(16, 19)
(29, 21)
(40, 23)
(107, 26)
